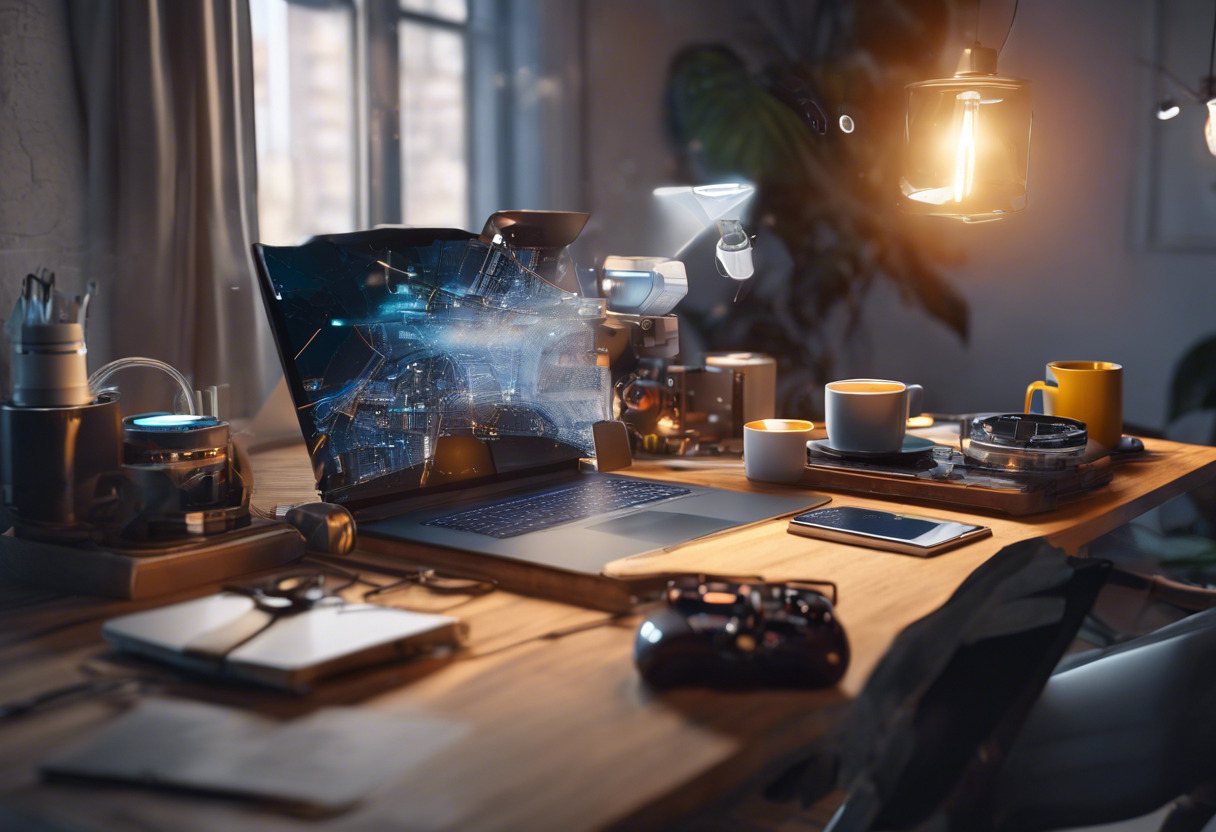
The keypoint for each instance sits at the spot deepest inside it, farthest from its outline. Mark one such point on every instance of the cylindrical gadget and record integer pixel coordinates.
(50, 462)
(192, 451)
(49, 366)
(759, 373)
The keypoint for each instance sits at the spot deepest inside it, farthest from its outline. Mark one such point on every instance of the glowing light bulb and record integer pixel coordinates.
(964, 154)
(958, 163)
(1209, 132)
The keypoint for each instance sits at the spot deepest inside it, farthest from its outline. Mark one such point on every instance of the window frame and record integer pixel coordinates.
(382, 179)
(522, 151)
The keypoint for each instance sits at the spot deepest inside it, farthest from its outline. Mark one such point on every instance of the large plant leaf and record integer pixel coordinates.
(828, 198)
(1194, 383)
(727, 121)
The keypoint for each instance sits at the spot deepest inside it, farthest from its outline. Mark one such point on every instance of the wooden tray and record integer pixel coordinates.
(1007, 494)
(137, 573)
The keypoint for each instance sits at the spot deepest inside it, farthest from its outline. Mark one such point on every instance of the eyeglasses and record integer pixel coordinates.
(291, 592)
(303, 589)
(435, 582)
(426, 577)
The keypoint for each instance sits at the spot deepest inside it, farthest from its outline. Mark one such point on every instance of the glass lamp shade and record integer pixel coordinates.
(1209, 130)
(967, 143)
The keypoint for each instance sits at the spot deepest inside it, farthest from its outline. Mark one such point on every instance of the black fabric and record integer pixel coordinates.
(925, 738)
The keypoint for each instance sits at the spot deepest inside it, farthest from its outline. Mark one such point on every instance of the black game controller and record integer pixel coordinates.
(727, 634)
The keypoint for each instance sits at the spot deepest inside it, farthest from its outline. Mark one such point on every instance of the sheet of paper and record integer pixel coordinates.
(328, 760)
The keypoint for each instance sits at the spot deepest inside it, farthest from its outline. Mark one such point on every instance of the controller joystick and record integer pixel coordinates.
(723, 634)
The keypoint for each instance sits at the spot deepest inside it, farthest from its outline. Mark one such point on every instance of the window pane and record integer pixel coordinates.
(457, 10)
(304, 94)
(435, 168)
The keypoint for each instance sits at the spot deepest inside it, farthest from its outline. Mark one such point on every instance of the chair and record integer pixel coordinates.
(972, 722)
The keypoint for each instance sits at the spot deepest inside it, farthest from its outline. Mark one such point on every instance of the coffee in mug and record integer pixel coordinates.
(870, 415)
(774, 450)
(1088, 391)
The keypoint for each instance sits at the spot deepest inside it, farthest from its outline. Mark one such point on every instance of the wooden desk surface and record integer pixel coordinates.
(563, 735)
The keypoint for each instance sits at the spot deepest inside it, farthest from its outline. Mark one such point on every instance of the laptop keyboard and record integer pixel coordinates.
(510, 518)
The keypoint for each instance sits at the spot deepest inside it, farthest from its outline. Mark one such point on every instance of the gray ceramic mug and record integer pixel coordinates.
(870, 415)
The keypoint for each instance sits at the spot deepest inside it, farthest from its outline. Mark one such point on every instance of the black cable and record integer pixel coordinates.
(1212, 56)
(1012, 18)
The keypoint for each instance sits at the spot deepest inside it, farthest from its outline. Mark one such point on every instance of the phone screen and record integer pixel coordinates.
(906, 528)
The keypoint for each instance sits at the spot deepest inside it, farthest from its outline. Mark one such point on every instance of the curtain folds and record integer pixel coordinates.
(166, 90)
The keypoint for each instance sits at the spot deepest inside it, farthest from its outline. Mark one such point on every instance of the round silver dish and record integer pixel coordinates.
(1027, 442)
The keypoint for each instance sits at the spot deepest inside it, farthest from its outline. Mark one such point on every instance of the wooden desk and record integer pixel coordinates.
(564, 737)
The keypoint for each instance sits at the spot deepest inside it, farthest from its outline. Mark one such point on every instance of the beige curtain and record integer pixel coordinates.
(167, 104)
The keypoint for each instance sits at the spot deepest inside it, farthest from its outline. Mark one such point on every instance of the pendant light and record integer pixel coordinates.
(1205, 94)
(967, 141)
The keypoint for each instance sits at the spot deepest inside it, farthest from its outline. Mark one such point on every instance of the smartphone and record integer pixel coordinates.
(909, 534)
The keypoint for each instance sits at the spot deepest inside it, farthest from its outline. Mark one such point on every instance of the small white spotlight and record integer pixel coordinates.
(846, 124)
(1168, 109)
(734, 250)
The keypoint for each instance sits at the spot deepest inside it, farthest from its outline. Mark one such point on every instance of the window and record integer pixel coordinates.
(434, 147)
(339, 88)
(305, 119)
(431, 113)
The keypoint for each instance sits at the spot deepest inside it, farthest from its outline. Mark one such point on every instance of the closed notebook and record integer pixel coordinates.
(290, 651)
(324, 762)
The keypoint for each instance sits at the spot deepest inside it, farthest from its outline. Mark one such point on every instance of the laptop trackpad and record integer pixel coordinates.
(663, 526)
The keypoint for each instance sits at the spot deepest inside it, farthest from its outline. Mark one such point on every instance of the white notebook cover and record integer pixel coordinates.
(292, 652)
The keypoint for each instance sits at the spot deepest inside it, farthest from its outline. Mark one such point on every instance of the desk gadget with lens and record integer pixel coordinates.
(672, 408)
(122, 507)
(76, 473)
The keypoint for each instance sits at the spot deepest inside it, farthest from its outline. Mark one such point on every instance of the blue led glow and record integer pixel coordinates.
(165, 421)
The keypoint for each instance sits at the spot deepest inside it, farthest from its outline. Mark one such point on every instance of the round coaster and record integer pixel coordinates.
(914, 446)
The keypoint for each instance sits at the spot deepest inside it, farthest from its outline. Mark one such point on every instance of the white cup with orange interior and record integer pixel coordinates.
(774, 450)
(870, 415)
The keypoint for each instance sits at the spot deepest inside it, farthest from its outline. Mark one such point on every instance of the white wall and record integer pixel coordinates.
(1069, 278)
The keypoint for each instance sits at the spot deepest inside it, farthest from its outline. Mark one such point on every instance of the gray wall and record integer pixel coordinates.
(42, 165)
(1069, 278)
(628, 47)
(1072, 276)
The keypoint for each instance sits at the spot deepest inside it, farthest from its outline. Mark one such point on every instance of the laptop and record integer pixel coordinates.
(447, 385)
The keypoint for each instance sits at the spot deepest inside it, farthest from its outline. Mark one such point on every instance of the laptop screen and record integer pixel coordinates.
(426, 359)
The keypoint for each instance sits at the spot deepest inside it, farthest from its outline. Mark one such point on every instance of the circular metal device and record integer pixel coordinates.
(192, 451)
(1027, 442)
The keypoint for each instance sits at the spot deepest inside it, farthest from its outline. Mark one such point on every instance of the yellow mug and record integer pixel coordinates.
(1089, 391)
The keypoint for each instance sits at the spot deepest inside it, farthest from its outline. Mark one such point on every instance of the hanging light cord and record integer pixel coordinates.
(1012, 18)
(1212, 56)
